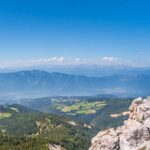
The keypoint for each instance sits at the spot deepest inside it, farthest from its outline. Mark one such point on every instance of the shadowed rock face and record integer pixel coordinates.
(133, 135)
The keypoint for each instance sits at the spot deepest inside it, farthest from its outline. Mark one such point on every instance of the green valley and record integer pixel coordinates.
(67, 121)
(81, 107)
(93, 111)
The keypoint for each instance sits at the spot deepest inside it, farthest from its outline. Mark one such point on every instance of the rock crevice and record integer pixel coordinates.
(133, 135)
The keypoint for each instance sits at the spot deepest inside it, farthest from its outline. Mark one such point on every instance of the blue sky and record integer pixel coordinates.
(85, 29)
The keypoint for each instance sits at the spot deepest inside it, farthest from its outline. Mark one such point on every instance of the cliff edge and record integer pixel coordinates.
(133, 135)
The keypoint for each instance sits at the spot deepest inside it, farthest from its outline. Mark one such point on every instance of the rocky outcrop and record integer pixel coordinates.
(55, 147)
(118, 115)
(133, 135)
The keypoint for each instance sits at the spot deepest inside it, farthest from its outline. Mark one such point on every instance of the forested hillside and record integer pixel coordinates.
(24, 129)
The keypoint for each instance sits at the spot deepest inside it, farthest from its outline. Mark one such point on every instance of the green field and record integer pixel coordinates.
(82, 107)
(5, 115)
(86, 112)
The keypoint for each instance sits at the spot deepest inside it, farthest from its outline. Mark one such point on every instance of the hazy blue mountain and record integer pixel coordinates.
(87, 70)
(97, 70)
(40, 83)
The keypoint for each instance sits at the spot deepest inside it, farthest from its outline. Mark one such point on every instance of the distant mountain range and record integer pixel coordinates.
(87, 70)
(98, 70)
(37, 83)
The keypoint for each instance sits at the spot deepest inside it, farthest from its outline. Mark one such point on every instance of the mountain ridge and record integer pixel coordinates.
(42, 83)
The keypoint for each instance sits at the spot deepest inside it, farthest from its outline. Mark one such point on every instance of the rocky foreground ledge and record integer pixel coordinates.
(133, 135)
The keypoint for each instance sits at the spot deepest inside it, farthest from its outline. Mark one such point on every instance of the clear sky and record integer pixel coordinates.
(33, 29)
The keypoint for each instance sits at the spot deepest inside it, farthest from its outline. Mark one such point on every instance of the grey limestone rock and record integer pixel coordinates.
(133, 135)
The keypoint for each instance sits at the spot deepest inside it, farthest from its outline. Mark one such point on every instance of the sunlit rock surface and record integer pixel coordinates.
(133, 135)
(55, 147)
